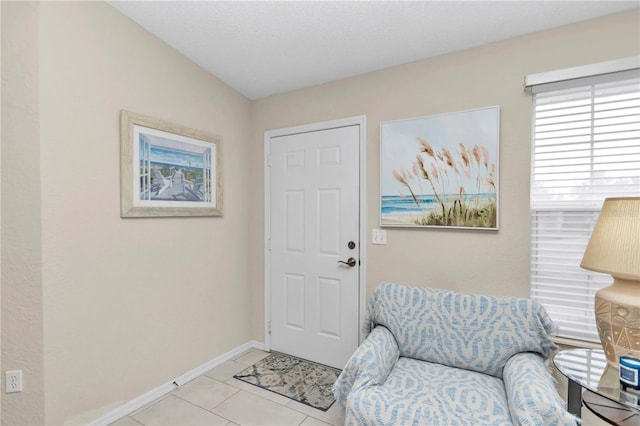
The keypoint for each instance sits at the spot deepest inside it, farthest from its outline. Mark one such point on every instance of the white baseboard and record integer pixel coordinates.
(160, 391)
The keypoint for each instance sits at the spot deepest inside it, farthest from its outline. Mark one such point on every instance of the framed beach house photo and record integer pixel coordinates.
(168, 170)
(441, 171)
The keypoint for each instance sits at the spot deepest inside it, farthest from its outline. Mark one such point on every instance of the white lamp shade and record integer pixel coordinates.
(614, 247)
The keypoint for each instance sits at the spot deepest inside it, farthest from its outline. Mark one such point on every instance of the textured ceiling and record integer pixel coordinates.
(266, 47)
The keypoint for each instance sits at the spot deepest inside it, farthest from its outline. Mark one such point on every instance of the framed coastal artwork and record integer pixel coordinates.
(441, 171)
(167, 169)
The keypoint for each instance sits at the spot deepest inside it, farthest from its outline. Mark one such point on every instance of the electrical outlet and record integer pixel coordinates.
(13, 381)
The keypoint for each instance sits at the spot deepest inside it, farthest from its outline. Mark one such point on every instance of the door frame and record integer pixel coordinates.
(361, 121)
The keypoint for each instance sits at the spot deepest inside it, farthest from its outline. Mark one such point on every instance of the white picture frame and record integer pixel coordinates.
(441, 171)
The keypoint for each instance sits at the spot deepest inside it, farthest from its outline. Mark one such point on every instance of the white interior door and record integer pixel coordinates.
(314, 232)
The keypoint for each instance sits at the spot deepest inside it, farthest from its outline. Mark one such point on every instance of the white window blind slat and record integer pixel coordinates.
(586, 147)
(554, 295)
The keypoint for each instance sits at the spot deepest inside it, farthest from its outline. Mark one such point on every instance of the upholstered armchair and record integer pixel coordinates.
(436, 357)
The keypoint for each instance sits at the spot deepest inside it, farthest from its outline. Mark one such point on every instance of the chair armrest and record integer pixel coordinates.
(531, 393)
(370, 364)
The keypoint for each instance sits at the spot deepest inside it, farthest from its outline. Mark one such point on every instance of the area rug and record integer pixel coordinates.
(301, 380)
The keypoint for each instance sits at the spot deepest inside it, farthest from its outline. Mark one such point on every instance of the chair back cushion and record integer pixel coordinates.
(478, 333)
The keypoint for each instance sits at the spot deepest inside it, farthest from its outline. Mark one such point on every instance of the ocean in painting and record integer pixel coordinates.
(168, 166)
(395, 205)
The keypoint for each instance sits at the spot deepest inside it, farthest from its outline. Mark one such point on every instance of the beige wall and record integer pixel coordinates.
(473, 261)
(97, 310)
(22, 333)
(114, 307)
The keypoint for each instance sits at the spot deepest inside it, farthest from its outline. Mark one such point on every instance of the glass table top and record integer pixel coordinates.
(589, 368)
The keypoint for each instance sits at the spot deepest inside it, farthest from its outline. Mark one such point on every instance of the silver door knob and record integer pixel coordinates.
(350, 262)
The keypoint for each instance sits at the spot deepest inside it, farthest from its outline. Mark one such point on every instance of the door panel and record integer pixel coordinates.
(294, 221)
(314, 214)
(329, 307)
(329, 221)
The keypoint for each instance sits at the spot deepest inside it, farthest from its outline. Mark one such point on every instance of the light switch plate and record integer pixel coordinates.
(379, 236)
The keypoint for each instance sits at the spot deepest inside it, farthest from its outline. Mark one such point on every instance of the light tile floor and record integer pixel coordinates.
(216, 398)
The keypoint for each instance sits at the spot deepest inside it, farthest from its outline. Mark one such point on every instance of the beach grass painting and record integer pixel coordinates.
(168, 170)
(441, 170)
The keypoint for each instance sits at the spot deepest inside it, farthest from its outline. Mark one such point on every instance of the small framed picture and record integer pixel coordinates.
(168, 170)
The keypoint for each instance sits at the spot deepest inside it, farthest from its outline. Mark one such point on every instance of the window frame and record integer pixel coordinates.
(545, 85)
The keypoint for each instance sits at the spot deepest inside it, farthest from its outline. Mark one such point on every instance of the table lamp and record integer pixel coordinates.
(614, 248)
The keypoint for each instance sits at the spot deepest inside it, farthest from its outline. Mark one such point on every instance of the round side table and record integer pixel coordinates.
(588, 369)
(609, 411)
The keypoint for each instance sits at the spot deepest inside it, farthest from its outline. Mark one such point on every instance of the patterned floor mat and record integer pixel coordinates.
(301, 380)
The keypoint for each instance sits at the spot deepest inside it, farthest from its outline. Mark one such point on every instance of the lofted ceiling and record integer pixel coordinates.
(261, 48)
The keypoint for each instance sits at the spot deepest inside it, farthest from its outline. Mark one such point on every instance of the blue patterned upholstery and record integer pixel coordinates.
(437, 357)
(533, 398)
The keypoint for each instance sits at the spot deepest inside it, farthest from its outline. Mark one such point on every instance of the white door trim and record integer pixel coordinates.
(361, 121)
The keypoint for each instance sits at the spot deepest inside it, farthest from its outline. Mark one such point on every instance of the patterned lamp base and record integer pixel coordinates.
(617, 309)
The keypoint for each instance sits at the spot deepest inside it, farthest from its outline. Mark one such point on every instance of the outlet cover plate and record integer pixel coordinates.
(13, 381)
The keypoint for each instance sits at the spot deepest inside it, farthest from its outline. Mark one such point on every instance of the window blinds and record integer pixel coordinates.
(586, 147)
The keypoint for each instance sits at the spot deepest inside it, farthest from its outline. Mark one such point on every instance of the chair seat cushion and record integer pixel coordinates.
(422, 393)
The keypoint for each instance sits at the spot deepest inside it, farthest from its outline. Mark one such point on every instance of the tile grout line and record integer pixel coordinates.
(155, 395)
(310, 415)
(212, 408)
(202, 408)
(238, 390)
(288, 405)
